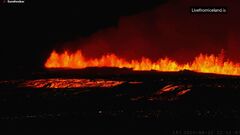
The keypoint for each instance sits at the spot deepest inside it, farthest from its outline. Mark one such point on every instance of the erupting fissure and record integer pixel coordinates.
(202, 63)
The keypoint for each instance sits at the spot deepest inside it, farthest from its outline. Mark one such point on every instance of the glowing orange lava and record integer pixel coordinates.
(69, 83)
(201, 63)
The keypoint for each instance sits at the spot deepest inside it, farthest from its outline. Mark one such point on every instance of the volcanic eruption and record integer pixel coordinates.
(149, 41)
(202, 63)
(157, 69)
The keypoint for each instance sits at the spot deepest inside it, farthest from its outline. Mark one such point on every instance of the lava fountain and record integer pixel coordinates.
(202, 63)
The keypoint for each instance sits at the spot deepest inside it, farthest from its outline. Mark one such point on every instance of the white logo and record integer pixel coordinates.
(15, 1)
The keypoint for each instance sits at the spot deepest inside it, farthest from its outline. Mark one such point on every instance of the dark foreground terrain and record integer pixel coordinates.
(110, 99)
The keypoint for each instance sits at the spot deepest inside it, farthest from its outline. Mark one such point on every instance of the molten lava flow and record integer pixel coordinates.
(69, 83)
(202, 63)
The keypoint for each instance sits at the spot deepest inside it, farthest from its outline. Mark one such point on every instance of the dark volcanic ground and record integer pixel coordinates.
(110, 99)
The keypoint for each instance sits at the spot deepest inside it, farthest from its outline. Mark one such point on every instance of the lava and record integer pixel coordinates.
(202, 63)
(69, 83)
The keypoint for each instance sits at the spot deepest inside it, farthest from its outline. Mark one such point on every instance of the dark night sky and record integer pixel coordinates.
(30, 31)
(152, 28)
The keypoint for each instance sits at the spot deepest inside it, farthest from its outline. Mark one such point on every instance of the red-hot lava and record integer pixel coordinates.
(202, 63)
(69, 83)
